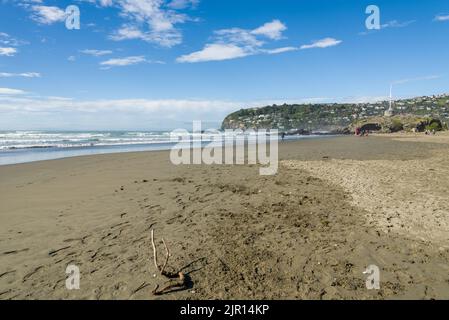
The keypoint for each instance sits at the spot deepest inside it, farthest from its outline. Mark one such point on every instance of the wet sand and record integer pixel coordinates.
(336, 206)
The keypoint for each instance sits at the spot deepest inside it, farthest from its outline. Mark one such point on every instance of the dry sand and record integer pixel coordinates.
(336, 206)
(409, 196)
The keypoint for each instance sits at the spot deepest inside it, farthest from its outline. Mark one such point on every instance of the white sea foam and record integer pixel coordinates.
(14, 140)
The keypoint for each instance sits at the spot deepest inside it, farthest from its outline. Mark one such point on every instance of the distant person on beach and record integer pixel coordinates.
(283, 136)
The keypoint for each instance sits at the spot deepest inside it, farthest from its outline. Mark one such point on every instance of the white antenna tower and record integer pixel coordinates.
(391, 97)
(390, 111)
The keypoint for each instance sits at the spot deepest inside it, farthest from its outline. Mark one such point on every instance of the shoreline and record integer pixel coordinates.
(306, 233)
(72, 152)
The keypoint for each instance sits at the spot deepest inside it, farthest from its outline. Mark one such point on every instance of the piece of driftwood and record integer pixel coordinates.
(176, 281)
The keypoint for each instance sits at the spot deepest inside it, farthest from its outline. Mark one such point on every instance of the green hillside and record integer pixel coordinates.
(329, 117)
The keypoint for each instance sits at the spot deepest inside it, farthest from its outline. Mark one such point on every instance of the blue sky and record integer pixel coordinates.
(155, 64)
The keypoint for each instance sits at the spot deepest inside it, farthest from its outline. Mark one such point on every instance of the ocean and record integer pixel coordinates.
(29, 146)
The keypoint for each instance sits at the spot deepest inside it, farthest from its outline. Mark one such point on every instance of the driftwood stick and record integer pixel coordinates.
(177, 281)
(154, 250)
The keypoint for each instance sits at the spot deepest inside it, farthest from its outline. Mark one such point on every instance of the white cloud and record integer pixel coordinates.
(323, 43)
(7, 40)
(47, 14)
(27, 3)
(151, 21)
(237, 43)
(106, 3)
(121, 62)
(397, 24)
(96, 53)
(23, 75)
(8, 91)
(389, 24)
(182, 4)
(215, 52)
(101, 3)
(281, 50)
(136, 105)
(272, 30)
(8, 45)
(138, 114)
(154, 21)
(237, 36)
(130, 32)
(441, 17)
(7, 51)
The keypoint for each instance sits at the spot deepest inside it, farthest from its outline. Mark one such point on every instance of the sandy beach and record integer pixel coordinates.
(337, 205)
